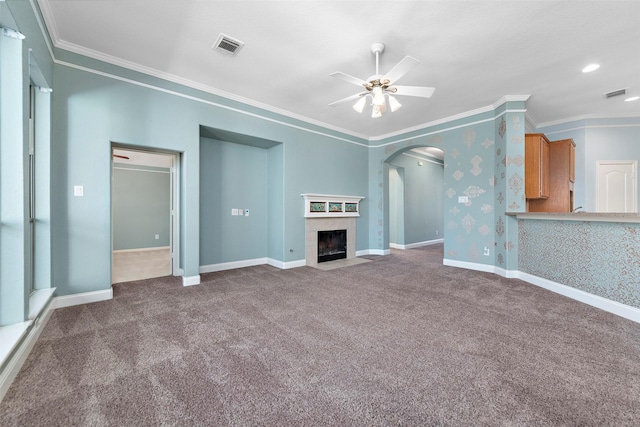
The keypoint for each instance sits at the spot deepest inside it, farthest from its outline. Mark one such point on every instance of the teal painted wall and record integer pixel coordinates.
(141, 207)
(422, 198)
(275, 207)
(322, 166)
(91, 111)
(232, 176)
(396, 205)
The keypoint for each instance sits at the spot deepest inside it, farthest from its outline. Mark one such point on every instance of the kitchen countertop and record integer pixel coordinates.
(579, 216)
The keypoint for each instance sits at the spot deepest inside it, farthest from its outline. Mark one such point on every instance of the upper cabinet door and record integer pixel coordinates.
(536, 166)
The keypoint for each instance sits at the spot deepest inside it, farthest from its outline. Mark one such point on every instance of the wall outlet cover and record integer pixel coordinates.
(234, 211)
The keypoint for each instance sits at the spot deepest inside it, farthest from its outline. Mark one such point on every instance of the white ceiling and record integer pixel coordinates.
(144, 158)
(472, 52)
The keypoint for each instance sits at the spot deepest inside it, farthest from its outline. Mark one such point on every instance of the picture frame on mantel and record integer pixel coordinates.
(335, 207)
(327, 205)
(317, 206)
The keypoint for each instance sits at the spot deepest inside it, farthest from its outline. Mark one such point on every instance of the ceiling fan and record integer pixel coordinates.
(377, 86)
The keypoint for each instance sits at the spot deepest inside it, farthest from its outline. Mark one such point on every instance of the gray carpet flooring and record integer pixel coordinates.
(400, 340)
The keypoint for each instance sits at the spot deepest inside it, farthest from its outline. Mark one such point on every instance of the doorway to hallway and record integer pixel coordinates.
(144, 217)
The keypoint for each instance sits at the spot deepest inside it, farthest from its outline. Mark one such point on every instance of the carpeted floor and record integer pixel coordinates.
(400, 340)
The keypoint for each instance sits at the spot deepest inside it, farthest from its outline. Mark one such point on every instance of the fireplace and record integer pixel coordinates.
(329, 213)
(332, 245)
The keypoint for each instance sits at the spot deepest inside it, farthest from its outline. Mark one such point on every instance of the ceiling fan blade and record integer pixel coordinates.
(348, 98)
(401, 68)
(348, 78)
(422, 91)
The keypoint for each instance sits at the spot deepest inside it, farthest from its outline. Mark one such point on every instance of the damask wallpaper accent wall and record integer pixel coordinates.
(470, 173)
(484, 162)
(600, 258)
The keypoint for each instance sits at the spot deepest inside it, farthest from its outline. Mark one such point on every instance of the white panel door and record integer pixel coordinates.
(616, 187)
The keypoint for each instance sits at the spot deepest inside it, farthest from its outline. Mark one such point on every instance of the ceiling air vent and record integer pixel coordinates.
(228, 45)
(615, 93)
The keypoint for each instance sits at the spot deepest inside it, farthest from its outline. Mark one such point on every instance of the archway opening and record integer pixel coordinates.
(414, 190)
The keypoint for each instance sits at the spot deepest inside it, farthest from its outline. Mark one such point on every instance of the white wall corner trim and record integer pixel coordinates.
(614, 307)
(82, 298)
(190, 280)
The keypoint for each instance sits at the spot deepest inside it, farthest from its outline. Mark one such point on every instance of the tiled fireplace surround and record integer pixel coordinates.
(313, 225)
(325, 212)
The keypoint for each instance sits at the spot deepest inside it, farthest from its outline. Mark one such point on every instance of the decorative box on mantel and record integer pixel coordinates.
(328, 206)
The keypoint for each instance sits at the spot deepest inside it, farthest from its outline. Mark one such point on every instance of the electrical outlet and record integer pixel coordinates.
(234, 211)
(240, 211)
(157, 236)
(463, 199)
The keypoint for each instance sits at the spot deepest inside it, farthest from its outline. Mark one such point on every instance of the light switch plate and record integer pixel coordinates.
(463, 199)
(78, 190)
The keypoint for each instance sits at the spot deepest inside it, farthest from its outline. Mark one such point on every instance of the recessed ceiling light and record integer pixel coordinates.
(633, 98)
(591, 67)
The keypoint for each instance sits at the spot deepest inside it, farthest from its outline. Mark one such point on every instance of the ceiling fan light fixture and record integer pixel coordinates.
(359, 105)
(376, 111)
(394, 104)
(378, 96)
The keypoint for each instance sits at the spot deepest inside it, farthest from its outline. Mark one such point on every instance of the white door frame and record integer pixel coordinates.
(174, 221)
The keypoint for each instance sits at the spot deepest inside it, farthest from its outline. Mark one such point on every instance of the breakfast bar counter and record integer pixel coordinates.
(597, 253)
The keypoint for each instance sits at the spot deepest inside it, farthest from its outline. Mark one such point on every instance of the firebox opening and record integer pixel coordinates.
(332, 245)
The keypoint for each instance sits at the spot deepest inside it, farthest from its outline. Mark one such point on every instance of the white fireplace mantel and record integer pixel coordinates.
(330, 206)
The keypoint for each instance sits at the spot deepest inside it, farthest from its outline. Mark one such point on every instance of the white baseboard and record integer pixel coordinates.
(373, 252)
(615, 307)
(82, 298)
(190, 280)
(154, 248)
(469, 265)
(252, 262)
(287, 265)
(231, 265)
(23, 347)
(416, 245)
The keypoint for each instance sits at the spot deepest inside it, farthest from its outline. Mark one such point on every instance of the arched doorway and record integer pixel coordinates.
(415, 189)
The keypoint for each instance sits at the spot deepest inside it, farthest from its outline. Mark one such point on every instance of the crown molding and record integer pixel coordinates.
(588, 117)
(448, 119)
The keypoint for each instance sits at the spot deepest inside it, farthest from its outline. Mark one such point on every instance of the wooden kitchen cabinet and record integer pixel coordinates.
(562, 160)
(536, 166)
